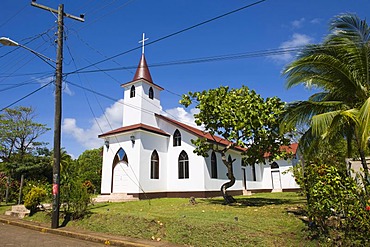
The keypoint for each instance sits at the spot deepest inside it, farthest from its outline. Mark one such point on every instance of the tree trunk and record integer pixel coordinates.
(20, 190)
(364, 165)
(7, 190)
(230, 174)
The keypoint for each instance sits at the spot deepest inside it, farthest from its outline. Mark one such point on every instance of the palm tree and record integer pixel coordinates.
(340, 69)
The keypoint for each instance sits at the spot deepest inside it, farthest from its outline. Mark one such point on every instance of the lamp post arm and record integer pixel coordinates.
(9, 42)
(39, 55)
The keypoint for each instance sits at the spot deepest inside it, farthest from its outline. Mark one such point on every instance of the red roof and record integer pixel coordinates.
(199, 133)
(142, 71)
(134, 127)
(292, 148)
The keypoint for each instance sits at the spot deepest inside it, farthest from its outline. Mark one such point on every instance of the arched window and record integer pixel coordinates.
(177, 138)
(120, 156)
(154, 165)
(213, 165)
(151, 93)
(183, 165)
(132, 91)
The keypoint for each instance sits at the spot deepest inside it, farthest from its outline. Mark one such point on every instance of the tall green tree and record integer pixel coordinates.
(19, 138)
(244, 119)
(339, 68)
(90, 166)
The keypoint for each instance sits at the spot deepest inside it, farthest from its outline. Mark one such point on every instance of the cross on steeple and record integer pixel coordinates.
(143, 41)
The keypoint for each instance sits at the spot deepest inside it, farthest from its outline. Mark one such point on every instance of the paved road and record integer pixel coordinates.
(21, 237)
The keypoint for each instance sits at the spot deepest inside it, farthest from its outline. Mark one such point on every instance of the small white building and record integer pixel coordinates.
(151, 155)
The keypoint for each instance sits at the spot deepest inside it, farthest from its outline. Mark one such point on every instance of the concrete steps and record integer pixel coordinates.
(19, 211)
(115, 197)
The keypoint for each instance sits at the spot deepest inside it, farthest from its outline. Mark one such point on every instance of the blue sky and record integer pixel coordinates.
(115, 27)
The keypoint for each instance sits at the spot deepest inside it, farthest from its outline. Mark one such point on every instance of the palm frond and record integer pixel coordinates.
(364, 119)
(351, 26)
(321, 122)
(301, 112)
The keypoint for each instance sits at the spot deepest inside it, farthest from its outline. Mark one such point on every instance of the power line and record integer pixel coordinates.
(261, 53)
(32, 38)
(10, 18)
(26, 96)
(27, 82)
(245, 55)
(107, 14)
(137, 182)
(170, 35)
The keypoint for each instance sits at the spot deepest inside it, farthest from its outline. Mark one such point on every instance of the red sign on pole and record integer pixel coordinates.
(55, 189)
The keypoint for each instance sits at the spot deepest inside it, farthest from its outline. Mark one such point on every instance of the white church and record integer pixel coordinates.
(151, 155)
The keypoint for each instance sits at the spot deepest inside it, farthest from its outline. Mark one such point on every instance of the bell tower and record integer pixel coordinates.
(141, 96)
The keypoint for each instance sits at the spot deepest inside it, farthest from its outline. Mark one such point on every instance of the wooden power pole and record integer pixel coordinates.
(58, 106)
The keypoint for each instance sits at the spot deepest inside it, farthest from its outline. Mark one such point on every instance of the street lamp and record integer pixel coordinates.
(57, 118)
(9, 42)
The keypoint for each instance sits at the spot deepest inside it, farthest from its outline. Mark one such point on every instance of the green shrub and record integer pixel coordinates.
(29, 184)
(33, 198)
(337, 206)
(75, 197)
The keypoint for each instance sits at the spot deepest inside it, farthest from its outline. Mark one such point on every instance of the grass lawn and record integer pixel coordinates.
(258, 220)
(5, 207)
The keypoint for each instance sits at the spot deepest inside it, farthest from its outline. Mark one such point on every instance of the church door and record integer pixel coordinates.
(120, 178)
(276, 182)
(119, 172)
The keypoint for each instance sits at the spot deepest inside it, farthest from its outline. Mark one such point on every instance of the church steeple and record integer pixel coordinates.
(141, 96)
(142, 71)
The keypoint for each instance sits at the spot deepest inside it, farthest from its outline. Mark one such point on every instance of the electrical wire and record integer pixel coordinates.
(101, 130)
(170, 35)
(26, 96)
(107, 14)
(25, 83)
(97, 51)
(10, 18)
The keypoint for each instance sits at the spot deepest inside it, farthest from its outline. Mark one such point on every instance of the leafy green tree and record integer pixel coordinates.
(18, 138)
(340, 69)
(90, 166)
(244, 119)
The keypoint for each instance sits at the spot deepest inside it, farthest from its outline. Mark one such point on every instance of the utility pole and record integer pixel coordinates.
(58, 106)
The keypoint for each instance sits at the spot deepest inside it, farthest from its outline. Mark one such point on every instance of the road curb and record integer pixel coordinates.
(93, 237)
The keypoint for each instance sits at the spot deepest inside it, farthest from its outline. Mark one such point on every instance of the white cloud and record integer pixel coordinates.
(298, 23)
(67, 90)
(43, 81)
(316, 21)
(88, 137)
(181, 115)
(296, 41)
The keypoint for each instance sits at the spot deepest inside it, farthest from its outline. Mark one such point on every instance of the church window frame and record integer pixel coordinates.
(151, 93)
(154, 165)
(183, 165)
(132, 91)
(214, 165)
(176, 138)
